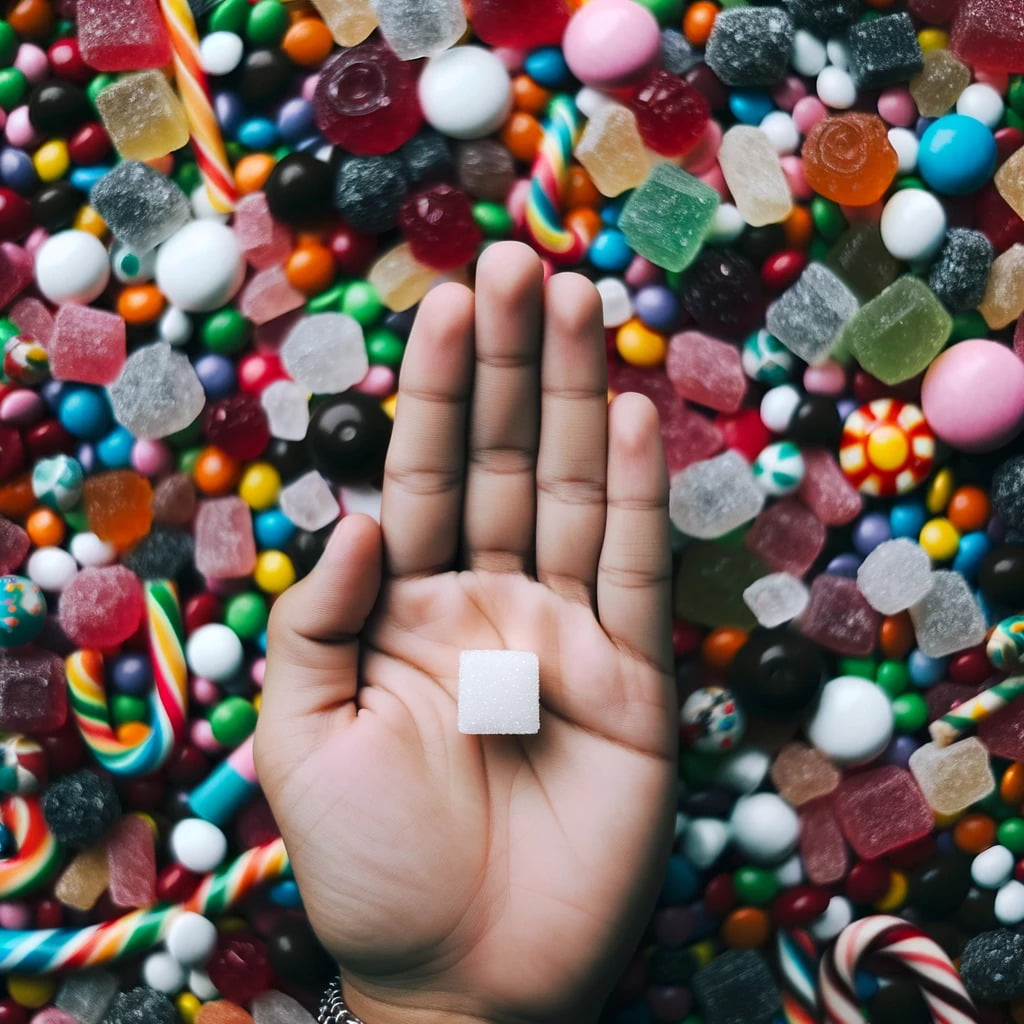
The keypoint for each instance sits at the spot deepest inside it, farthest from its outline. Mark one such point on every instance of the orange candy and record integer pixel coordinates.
(118, 506)
(584, 221)
(307, 42)
(16, 497)
(698, 22)
(133, 733)
(746, 928)
(1011, 785)
(45, 528)
(222, 1012)
(896, 636)
(969, 508)
(848, 158)
(799, 227)
(720, 647)
(522, 135)
(141, 303)
(974, 833)
(31, 19)
(252, 171)
(528, 95)
(215, 471)
(581, 190)
(310, 268)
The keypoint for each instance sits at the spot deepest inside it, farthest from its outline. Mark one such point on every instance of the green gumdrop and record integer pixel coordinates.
(328, 301)
(492, 219)
(8, 43)
(232, 721)
(362, 302)
(230, 16)
(12, 87)
(384, 347)
(755, 885)
(267, 23)
(893, 677)
(668, 12)
(827, 217)
(98, 84)
(8, 329)
(710, 582)
(226, 332)
(862, 667)
(968, 325)
(910, 712)
(127, 708)
(246, 614)
(1011, 835)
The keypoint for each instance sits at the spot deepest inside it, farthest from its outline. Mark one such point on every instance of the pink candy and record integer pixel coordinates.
(611, 43)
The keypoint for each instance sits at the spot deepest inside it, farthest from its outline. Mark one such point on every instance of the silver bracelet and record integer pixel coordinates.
(333, 1009)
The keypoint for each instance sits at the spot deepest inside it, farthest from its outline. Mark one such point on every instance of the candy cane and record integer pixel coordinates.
(38, 852)
(965, 716)
(798, 959)
(207, 142)
(55, 949)
(894, 938)
(549, 179)
(168, 698)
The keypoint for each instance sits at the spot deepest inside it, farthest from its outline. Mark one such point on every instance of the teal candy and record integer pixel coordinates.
(766, 359)
(957, 155)
(57, 482)
(22, 611)
(779, 468)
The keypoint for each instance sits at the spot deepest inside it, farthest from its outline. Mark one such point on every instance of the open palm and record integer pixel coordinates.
(497, 878)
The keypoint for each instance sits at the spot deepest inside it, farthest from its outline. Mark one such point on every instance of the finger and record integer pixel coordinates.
(312, 640)
(420, 508)
(573, 453)
(500, 488)
(635, 570)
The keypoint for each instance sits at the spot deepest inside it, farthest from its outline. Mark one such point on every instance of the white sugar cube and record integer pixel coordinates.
(499, 692)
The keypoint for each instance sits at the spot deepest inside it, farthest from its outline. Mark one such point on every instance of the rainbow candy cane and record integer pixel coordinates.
(798, 962)
(55, 949)
(549, 179)
(38, 852)
(168, 700)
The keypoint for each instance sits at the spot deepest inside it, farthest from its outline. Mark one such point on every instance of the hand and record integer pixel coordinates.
(485, 878)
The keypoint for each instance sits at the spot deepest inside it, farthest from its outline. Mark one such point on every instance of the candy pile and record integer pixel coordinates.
(217, 218)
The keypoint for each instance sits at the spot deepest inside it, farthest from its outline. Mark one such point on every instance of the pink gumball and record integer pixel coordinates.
(973, 395)
(611, 43)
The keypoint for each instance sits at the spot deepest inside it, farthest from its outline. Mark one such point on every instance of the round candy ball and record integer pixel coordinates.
(201, 266)
(198, 845)
(22, 611)
(973, 395)
(854, 721)
(214, 652)
(764, 827)
(712, 721)
(465, 92)
(80, 808)
(610, 43)
(57, 482)
(913, 225)
(191, 938)
(957, 155)
(779, 468)
(72, 266)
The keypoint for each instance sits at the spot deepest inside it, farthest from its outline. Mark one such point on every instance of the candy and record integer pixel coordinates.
(959, 275)
(711, 720)
(809, 315)
(712, 497)
(754, 175)
(887, 447)
(499, 692)
(453, 109)
(38, 853)
(966, 715)
(22, 611)
(71, 266)
(848, 158)
(142, 116)
(611, 44)
(842, 700)
(33, 695)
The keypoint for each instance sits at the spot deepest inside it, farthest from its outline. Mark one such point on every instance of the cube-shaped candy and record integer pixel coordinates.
(499, 692)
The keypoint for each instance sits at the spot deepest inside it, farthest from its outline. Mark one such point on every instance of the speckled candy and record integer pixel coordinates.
(22, 611)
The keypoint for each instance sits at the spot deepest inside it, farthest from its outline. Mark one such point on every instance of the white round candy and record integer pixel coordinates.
(214, 652)
(201, 987)
(764, 827)
(726, 225)
(130, 267)
(836, 89)
(778, 406)
(838, 53)
(89, 551)
(202, 208)
(198, 845)
(175, 327)
(200, 267)
(780, 128)
(465, 92)
(906, 144)
(809, 55)
(616, 305)
(981, 102)
(837, 916)
(162, 972)
(853, 722)
(221, 52)
(704, 841)
(51, 568)
(743, 771)
(992, 867)
(790, 872)
(913, 225)
(191, 938)
(72, 266)
(1009, 904)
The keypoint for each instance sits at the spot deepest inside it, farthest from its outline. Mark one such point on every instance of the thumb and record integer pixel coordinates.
(312, 637)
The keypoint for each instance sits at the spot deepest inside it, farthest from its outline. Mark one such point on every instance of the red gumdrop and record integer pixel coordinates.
(49, 913)
(366, 100)
(47, 438)
(1008, 141)
(351, 249)
(187, 767)
(238, 425)
(66, 62)
(201, 610)
(909, 855)
(12, 1013)
(523, 25)
(970, 667)
(686, 637)
(258, 370)
(89, 145)
(101, 607)
(867, 881)
(996, 218)
(744, 431)
(12, 452)
(175, 883)
(439, 227)
(670, 113)
(781, 269)
(63, 748)
(15, 216)
(240, 967)
(720, 895)
(799, 906)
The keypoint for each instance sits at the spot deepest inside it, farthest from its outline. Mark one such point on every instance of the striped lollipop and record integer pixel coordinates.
(894, 939)
(38, 852)
(168, 698)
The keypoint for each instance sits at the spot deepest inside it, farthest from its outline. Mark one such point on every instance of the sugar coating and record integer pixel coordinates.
(954, 777)
(142, 115)
(897, 574)
(87, 995)
(499, 693)
(862, 261)
(1003, 300)
(776, 598)
(750, 45)
(309, 502)
(326, 353)
(823, 17)
(960, 272)
(141, 206)
(157, 392)
(737, 987)
(369, 191)
(809, 314)
(941, 80)
(947, 619)
(710, 498)
(421, 29)
(884, 51)
(754, 175)
(992, 966)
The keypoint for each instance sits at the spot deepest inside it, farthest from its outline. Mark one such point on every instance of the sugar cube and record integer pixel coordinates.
(954, 777)
(712, 497)
(897, 574)
(499, 692)
(947, 619)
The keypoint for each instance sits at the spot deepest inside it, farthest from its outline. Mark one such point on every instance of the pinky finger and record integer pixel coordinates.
(635, 569)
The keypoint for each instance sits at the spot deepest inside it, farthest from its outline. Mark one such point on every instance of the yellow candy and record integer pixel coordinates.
(940, 490)
(274, 572)
(87, 219)
(703, 951)
(639, 345)
(188, 1007)
(51, 160)
(260, 486)
(940, 539)
(932, 39)
(896, 895)
(31, 992)
(888, 447)
(388, 405)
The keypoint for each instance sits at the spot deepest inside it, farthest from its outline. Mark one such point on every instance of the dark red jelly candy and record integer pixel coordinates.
(238, 425)
(439, 227)
(239, 967)
(522, 25)
(670, 113)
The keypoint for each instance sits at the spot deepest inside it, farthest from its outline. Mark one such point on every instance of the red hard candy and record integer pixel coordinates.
(439, 227)
(670, 113)
(799, 905)
(720, 895)
(523, 25)
(239, 967)
(867, 881)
